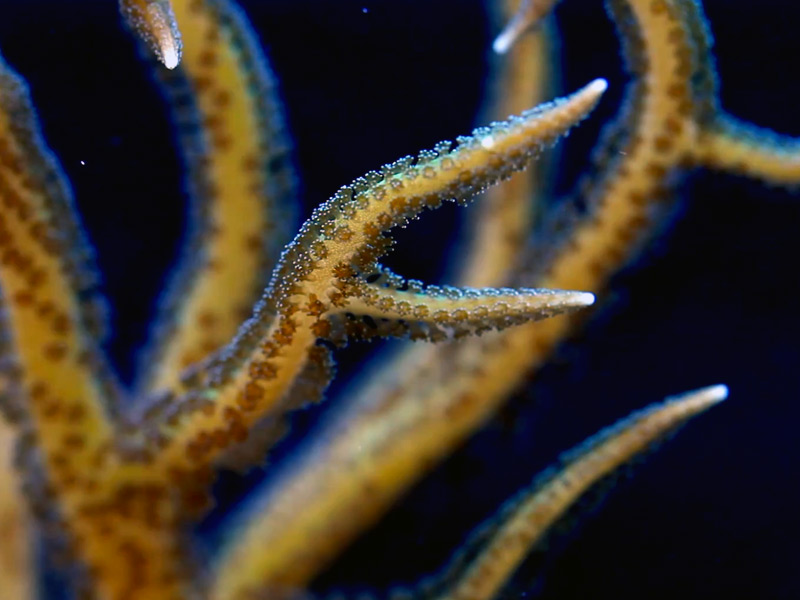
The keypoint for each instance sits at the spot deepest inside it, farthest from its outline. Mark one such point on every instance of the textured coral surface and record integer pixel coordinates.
(711, 300)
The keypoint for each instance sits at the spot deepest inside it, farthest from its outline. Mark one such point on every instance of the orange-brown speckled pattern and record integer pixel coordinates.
(526, 518)
(317, 279)
(243, 189)
(123, 494)
(401, 424)
(122, 489)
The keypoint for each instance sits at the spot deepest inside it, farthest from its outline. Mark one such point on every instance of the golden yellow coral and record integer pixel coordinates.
(131, 484)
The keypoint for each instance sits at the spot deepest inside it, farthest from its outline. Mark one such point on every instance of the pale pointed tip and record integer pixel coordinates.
(701, 399)
(170, 56)
(583, 298)
(712, 394)
(598, 86)
(503, 42)
(568, 298)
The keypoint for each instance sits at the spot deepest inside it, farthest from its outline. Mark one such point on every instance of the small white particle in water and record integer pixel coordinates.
(83, 162)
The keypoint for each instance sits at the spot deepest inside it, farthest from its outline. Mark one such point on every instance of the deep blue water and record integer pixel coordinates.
(714, 299)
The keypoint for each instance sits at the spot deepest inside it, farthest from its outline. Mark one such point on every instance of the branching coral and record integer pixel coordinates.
(132, 480)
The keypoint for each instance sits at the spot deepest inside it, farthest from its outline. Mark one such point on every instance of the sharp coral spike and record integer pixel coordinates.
(344, 237)
(155, 22)
(527, 518)
(528, 16)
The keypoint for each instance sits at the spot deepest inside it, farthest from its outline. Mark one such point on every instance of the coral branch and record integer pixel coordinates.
(398, 426)
(503, 217)
(522, 523)
(242, 188)
(734, 147)
(442, 313)
(528, 15)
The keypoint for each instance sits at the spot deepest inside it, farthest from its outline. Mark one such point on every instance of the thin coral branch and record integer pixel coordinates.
(241, 183)
(734, 147)
(528, 15)
(446, 313)
(154, 21)
(502, 219)
(51, 316)
(525, 520)
(345, 236)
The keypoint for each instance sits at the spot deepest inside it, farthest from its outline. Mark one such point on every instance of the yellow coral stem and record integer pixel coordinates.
(750, 151)
(397, 428)
(246, 192)
(479, 160)
(503, 217)
(528, 517)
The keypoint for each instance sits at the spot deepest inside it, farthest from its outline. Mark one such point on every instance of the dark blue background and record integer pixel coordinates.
(714, 513)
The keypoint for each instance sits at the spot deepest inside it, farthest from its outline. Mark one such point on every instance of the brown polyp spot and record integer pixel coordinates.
(398, 205)
(658, 7)
(656, 170)
(207, 319)
(222, 99)
(220, 438)
(637, 198)
(207, 58)
(75, 413)
(74, 441)
(55, 351)
(384, 221)
(193, 452)
(61, 324)
(251, 395)
(202, 83)
(321, 328)
(421, 311)
(50, 410)
(23, 298)
(221, 142)
(371, 230)
(315, 308)
(269, 349)
(337, 299)
(237, 431)
(343, 233)
(262, 370)
(662, 144)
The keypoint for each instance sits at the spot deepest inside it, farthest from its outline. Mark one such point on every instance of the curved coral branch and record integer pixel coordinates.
(344, 236)
(524, 521)
(734, 147)
(241, 182)
(503, 217)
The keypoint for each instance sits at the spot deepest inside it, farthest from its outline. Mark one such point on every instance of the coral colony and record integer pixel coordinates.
(249, 323)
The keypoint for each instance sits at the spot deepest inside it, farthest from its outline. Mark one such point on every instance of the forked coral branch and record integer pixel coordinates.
(436, 397)
(123, 483)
